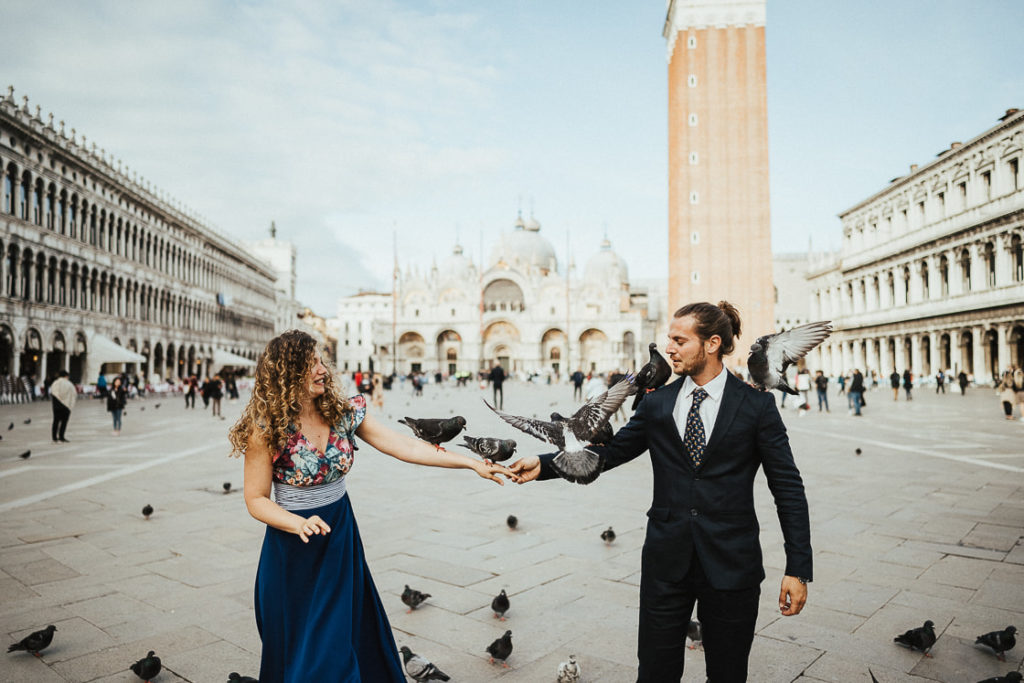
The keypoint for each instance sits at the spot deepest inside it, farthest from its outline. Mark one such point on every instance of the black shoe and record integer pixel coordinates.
(64, 441)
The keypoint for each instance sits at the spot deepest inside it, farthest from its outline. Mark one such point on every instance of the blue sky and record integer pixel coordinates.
(347, 121)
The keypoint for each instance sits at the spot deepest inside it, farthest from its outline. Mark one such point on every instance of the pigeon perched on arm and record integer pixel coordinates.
(500, 605)
(921, 638)
(501, 649)
(999, 641)
(148, 667)
(35, 641)
(569, 672)
(652, 375)
(494, 450)
(435, 431)
(413, 598)
(420, 668)
(772, 354)
(571, 436)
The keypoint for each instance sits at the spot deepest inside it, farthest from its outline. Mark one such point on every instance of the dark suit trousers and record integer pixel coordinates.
(61, 413)
(727, 617)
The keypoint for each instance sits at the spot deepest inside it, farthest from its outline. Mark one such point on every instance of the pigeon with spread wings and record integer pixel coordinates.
(571, 436)
(772, 354)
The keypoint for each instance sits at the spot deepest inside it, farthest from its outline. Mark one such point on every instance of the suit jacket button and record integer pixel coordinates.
(693, 512)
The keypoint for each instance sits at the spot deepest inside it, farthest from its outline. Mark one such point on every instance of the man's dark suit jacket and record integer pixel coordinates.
(709, 510)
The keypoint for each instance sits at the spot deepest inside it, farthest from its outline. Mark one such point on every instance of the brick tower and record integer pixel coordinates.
(719, 232)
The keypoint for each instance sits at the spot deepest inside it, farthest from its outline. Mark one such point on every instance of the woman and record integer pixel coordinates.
(377, 392)
(1006, 394)
(317, 610)
(116, 398)
(216, 394)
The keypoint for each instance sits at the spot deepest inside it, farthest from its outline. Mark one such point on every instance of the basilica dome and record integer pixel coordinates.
(525, 248)
(457, 267)
(606, 267)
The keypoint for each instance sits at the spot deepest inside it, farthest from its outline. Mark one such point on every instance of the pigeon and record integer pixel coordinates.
(921, 638)
(1010, 677)
(512, 521)
(34, 642)
(574, 462)
(1000, 641)
(501, 649)
(413, 598)
(227, 487)
(608, 535)
(772, 354)
(493, 450)
(28, 421)
(652, 375)
(857, 451)
(148, 667)
(435, 431)
(234, 677)
(147, 511)
(500, 605)
(25, 455)
(142, 408)
(420, 668)
(156, 407)
(695, 632)
(10, 426)
(569, 672)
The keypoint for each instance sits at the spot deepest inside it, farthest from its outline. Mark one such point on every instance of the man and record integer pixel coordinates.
(497, 378)
(62, 398)
(857, 392)
(908, 383)
(577, 385)
(894, 382)
(821, 383)
(963, 381)
(702, 534)
(940, 382)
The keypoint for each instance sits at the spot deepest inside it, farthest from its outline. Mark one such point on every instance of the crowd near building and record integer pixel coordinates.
(930, 275)
(101, 272)
(520, 310)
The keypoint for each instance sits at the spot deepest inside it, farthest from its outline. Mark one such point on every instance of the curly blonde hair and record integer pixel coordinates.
(280, 390)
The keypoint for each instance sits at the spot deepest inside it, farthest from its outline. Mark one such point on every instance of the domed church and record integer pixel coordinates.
(523, 309)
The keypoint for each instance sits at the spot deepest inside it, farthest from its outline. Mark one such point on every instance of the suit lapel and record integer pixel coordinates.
(732, 397)
(668, 413)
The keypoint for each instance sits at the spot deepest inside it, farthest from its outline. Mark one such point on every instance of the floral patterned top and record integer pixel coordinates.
(299, 463)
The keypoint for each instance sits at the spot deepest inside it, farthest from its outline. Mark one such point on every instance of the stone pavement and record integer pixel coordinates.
(926, 523)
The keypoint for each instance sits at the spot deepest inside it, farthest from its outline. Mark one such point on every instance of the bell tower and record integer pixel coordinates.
(719, 229)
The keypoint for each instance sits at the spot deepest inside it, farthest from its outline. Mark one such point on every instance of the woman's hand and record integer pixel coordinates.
(305, 527)
(489, 470)
(526, 469)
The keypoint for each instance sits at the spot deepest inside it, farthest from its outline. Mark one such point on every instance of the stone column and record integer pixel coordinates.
(955, 352)
(934, 277)
(915, 291)
(956, 287)
(1004, 261)
(977, 268)
(915, 355)
(884, 362)
(43, 363)
(981, 373)
(935, 362)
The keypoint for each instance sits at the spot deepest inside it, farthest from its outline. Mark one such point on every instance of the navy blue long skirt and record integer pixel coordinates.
(317, 610)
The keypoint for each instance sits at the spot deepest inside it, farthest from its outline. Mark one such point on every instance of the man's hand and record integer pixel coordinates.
(527, 468)
(792, 597)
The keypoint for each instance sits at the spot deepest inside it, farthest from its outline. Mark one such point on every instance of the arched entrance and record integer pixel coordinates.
(411, 351)
(945, 359)
(553, 348)
(55, 357)
(991, 349)
(501, 343)
(77, 361)
(594, 350)
(1017, 346)
(6, 351)
(32, 354)
(926, 356)
(449, 347)
(629, 351)
(967, 352)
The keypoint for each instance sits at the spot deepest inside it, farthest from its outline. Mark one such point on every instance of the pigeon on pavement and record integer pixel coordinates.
(695, 632)
(574, 462)
(495, 450)
(234, 677)
(512, 522)
(420, 668)
(227, 487)
(413, 598)
(148, 667)
(500, 605)
(10, 426)
(25, 455)
(569, 672)
(1010, 677)
(435, 431)
(921, 638)
(156, 407)
(501, 649)
(28, 421)
(772, 354)
(652, 375)
(147, 510)
(999, 641)
(608, 535)
(35, 641)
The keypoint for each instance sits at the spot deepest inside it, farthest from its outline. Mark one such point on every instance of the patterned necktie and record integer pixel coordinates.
(694, 439)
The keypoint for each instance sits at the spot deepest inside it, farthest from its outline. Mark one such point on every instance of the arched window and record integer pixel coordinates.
(37, 202)
(924, 279)
(23, 192)
(50, 207)
(965, 269)
(989, 255)
(8, 188)
(944, 275)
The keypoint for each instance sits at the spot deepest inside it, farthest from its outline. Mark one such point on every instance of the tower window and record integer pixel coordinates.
(691, 42)
(986, 184)
(694, 197)
(692, 120)
(694, 158)
(694, 237)
(692, 80)
(695, 277)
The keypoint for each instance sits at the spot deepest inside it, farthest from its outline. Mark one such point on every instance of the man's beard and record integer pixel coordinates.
(696, 366)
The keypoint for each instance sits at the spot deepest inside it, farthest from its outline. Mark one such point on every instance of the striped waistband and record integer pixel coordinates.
(306, 497)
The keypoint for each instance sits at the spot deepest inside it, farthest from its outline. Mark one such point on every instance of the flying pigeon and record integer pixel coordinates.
(500, 605)
(608, 535)
(25, 455)
(501, 649)
(435, 431)
(227, 487)
(602, 436)
(772, 354)
(413, 598)
(1010, 677)
(234, 677)
(148, 667)
(1000, 641)
(574, 462)
(695, 632)
(420, 668)
(921, 638)
(652, 375)
(494, 450)
(569, 672)
(34, 642)
(147, 511)
(512, 522)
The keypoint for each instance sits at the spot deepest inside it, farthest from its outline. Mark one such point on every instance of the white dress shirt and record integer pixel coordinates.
(708, 409)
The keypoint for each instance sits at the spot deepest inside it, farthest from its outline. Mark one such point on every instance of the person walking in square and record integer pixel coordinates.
(894, 382)
(116, 399)
(497, 378)
(1006, 394)
(856, 392)
(963, 381)
(908, 383)
(62, 399)
(577, 385)
(940, 382)
(216, 393)
(821, 384)
(708, 434)
(190, 392)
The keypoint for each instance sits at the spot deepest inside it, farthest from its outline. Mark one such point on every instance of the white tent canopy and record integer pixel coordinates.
(106, 350)
(222, 358)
